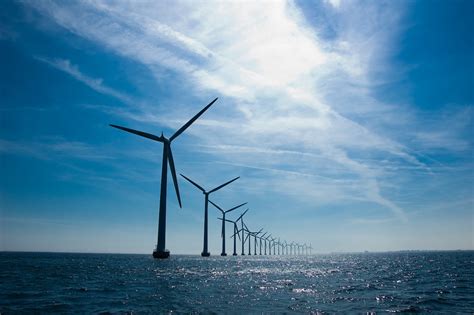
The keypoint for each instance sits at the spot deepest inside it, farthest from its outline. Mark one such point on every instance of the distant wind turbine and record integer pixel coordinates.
(244, 239)
(261, 238)
(241, 218)
(205, 252)
(161, 251)
(267, 239)
(270, 245)
(236, 232)
(274, 244)
(254, 234)
(246, 229)
(223, 253)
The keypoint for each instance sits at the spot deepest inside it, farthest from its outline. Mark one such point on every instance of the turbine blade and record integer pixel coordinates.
(237, 232)
(189, 180)
(259, 231)
(248, 235)
(216, 206)
(173, 172)
(186, 125)
(221, 186)
(232, 209)
(140, 133)
(242, 215)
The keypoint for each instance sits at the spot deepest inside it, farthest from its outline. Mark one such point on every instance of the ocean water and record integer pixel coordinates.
(413, 282)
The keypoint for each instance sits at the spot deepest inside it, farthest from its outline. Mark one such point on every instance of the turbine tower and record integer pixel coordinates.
(267, 239)
(245, 240)
(241, 218)
(236, 231)
(260, 245)
(205, 252)
(161, 251)
(248, 236)
(223, 253)
(274, 243)
(254, 234)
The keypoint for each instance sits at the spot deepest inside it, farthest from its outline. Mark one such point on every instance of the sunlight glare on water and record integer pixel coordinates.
(395, 282)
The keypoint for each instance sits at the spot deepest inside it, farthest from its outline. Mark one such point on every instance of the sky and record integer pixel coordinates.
(348, 122)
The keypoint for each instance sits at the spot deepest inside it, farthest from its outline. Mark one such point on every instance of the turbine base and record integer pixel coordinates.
(223, 254)
(205, 254)
(158, 254)
(234, 254)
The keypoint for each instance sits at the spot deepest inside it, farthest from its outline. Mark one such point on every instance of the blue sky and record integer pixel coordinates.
(349, 122)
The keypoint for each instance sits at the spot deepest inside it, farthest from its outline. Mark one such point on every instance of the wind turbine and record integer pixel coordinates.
(271, 245)
(205, 252)
(223, 253)
(161, 251)
(310, 248)
(244, 239)
(261, 237)
(248, 236)
(236, 230)
(267, 239)
(254, 234)
(278, 245)
(241, 218)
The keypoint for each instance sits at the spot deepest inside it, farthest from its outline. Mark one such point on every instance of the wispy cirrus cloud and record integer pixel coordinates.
(94, 83)
(53, 148)
(292, 90)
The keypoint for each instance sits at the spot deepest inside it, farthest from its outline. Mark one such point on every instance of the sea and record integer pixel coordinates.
(361, 283)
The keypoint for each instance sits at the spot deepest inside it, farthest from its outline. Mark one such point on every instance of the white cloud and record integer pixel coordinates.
(293, 91)
(335, 3)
